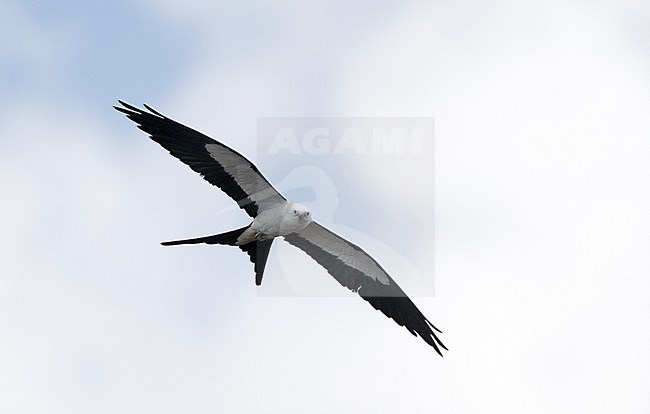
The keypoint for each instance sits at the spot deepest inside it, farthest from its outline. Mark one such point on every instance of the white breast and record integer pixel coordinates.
(279, 221)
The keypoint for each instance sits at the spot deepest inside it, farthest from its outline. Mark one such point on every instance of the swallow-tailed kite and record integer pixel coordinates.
(274, 216)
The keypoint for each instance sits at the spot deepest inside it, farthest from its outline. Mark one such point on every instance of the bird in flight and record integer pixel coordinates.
(274, 216)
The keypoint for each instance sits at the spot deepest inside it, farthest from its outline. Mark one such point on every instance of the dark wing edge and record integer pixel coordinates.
(388, 298)
(247, 186)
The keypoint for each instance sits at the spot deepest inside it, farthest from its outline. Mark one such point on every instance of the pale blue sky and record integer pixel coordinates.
(541, 222)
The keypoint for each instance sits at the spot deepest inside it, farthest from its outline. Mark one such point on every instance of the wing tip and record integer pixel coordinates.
(125, 106)
(129, 109)
(434, 341)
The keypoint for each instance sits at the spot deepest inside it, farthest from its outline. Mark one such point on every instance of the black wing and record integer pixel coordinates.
(356, 270)
(219, 165)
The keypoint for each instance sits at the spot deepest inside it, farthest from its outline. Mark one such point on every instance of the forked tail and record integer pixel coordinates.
(258, 251)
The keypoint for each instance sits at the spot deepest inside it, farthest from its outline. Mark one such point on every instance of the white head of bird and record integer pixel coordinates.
(300, 213)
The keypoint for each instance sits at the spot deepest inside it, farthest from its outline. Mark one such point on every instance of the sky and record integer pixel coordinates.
(536, 233)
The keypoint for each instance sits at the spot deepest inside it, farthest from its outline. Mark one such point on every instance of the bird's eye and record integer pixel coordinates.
(294, 211)
(307, 213)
